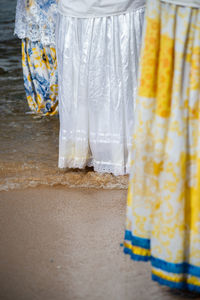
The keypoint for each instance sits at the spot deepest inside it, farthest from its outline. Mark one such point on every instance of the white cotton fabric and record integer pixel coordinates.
(191, 3)
(36, 20)
(97, 8)
(98, 67)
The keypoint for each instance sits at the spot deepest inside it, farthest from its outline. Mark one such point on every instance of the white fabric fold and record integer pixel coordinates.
(191, 3)
(97, 8)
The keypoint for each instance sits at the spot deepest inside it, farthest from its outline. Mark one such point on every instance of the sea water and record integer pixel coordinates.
(29, 143)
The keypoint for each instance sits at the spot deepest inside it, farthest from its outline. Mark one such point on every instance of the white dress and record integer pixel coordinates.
(97, 66)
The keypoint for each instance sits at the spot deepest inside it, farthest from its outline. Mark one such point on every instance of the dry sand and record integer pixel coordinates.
(64, 244)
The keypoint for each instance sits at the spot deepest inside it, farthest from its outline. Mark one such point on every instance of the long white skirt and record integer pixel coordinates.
(98, 71)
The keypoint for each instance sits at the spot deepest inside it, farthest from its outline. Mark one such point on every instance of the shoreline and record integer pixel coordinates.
(18, 175)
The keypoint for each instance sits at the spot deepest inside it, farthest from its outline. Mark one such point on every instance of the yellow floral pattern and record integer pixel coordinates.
(163, 207)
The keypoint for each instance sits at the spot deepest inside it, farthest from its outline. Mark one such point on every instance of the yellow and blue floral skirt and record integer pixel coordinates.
(163, 208)
(40, 77)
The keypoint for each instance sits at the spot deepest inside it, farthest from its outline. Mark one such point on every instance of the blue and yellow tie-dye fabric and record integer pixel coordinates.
(35, 24)
(40, 77)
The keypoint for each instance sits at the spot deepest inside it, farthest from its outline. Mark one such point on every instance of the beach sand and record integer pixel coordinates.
(64, 244)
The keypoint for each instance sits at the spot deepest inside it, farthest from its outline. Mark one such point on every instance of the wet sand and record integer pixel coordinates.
(64, 244)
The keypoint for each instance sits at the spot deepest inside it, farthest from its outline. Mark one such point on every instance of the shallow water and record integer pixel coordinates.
(28, 143)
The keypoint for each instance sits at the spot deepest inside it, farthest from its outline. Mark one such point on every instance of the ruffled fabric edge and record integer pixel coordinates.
(37, 25)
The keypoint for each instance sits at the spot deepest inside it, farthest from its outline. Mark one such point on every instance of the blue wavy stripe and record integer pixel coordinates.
(176, 285)
(137, 241)
(181, 268)
(135, 256)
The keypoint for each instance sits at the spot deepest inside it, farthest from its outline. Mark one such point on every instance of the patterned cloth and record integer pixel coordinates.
(35, 25)
(35, 20)
(163, 208)
(40, 77)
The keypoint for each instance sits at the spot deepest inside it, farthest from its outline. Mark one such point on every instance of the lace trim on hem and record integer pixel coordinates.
(44, 41)
(99, 167)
